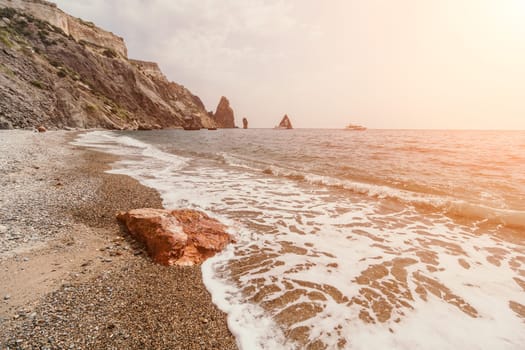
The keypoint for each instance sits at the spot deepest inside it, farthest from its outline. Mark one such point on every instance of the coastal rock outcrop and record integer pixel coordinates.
(78, 29)
(244, 123)
(224, 116)
(177, 237)
(285, 123)
(60, 71)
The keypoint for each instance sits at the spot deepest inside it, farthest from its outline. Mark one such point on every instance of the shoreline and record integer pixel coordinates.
(85, 284)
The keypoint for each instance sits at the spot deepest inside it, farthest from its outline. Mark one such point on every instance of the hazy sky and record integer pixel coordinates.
(384, 64)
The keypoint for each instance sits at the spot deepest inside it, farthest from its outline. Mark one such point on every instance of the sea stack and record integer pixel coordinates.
(285, 123)
(224, 114)
(244, 123)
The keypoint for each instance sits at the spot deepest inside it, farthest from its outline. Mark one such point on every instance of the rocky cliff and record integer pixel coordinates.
(59, 71)
(77, 28)
(224, 116)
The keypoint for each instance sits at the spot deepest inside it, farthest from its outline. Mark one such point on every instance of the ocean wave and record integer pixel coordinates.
(114, 143)
(452, 207)
(428, 202)
(419, 149)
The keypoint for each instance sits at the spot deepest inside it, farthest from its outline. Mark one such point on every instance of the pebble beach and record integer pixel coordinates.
(70, 277)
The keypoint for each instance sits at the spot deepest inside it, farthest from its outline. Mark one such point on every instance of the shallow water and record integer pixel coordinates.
(355, 240)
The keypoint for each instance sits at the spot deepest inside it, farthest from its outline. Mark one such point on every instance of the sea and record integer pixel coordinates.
(376, 239)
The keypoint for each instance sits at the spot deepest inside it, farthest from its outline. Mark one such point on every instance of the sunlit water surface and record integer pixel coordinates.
(352, 240)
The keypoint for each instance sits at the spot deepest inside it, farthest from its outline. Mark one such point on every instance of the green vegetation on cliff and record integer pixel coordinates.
(49, 78)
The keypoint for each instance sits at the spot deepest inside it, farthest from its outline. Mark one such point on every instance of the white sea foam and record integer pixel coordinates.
(442, 203)
(252, 328)
(139, 159)
(311, 246)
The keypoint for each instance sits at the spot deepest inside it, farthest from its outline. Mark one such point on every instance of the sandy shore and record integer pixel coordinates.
(69, 276)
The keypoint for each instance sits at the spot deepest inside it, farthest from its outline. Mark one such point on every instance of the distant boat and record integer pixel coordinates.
(355, 127)
(212, 128)
(191, 127)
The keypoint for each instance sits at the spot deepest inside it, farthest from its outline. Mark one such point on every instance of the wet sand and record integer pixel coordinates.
(70, 277)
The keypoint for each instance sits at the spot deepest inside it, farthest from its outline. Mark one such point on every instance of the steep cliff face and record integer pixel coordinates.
(224, 114)
(77, 28)
(59, 71)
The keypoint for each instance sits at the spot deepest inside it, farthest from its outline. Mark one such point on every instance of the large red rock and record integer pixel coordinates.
(177, 237)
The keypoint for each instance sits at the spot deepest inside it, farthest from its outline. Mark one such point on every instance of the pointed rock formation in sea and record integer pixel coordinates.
(244, 123)
(224, 114)
(285, 123)
(179, 237)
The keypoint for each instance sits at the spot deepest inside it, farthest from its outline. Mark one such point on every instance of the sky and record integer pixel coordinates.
(404, 64)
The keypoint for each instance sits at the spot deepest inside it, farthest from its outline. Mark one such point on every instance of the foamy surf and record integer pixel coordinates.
(249, 323)
(317, 267)
(444, 204)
